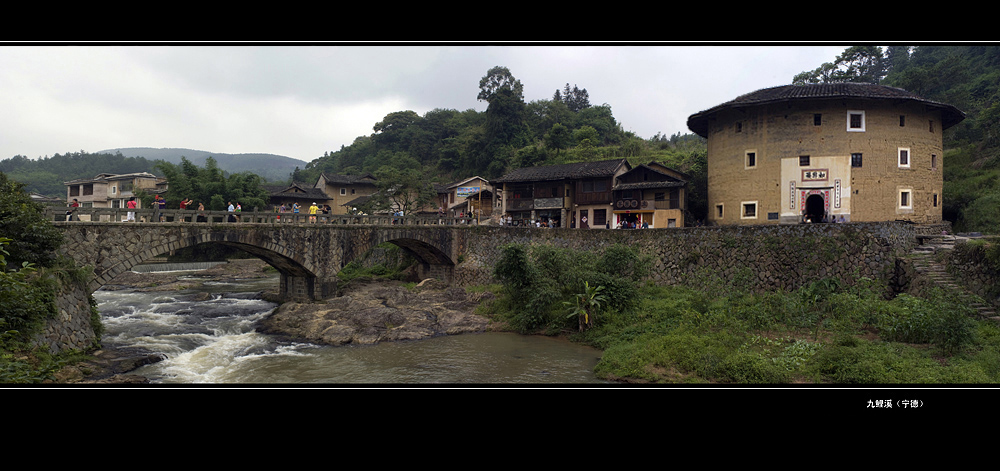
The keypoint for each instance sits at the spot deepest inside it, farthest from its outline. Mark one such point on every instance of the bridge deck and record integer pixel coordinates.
(255, 217)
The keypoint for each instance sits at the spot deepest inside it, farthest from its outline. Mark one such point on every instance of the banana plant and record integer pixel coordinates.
(586, 304)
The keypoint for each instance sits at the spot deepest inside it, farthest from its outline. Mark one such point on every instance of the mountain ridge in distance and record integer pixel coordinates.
(269, 166)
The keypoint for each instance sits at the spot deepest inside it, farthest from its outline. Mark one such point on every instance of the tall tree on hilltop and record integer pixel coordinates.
(576, 99)
(496, 80)
(506, 128)
(865, 64)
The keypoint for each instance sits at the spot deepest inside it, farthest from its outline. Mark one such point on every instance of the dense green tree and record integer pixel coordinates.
(575, 99)
(542, 115)
(865, 64)
(33, 239)
(499, 79)
(211, 186)
(558, 138)
(399, 190)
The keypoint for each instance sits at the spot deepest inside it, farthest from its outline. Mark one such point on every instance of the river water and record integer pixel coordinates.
(208, 337)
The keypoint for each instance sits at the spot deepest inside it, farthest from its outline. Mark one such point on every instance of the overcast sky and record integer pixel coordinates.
(301, 101)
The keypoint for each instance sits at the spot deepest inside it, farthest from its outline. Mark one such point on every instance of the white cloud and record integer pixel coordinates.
(302, 101)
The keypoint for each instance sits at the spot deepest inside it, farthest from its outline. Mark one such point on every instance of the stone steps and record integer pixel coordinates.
(925, 263)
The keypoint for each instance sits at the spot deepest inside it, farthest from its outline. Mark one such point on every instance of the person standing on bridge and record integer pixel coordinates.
(74, 205)
(295, 211)
(312, 212)
(183, 206)
(131, 210)
(158, 205)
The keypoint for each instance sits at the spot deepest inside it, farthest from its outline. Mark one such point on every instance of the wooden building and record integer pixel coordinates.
(650, 195)
(567, 195)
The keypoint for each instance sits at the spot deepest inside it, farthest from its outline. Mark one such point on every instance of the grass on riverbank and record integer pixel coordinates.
(820, 334)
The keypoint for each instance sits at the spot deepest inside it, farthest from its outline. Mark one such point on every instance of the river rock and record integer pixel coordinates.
(379, 312)
(107, 367)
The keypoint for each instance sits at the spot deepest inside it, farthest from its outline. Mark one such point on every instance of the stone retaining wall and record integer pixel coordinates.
(71, 329)
(968, 265)
(778, 257)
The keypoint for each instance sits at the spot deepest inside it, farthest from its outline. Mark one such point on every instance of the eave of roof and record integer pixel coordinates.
(603, 168)
(649, 185)
(366, 179)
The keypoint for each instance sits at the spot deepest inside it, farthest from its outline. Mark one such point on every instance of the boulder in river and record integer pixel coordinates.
(378, 312)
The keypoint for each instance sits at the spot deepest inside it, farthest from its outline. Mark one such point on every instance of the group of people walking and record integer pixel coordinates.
(314, 210)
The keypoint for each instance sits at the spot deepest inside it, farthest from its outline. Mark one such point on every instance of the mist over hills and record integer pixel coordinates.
(269, 166)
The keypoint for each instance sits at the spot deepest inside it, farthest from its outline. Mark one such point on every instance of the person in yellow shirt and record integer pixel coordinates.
(312, 212)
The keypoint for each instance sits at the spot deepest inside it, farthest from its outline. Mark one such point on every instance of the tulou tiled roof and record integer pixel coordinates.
(296, 191)
(603, 168)
(349, 179)
(698, 122)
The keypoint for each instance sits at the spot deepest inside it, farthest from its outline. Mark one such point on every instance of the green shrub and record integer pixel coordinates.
(751, 368)
(538, 281)
(938, 319)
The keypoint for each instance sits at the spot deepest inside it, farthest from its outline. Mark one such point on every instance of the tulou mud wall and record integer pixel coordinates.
(776, 257)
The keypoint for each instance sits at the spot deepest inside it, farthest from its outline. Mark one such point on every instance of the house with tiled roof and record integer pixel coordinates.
(299, 193)
(341, 190)
(824, 152)
(650, 195)
(566, 195)
(474, 193)
(110, 190)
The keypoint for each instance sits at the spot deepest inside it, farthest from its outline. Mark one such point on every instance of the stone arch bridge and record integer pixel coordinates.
(308, 256)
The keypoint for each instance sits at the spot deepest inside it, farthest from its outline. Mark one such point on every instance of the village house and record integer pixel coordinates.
(825, 152)
(304, 195)
(108, 190)
(567, 195)
(478, 204)
(650, 195)
(343, 191)
(475, 194)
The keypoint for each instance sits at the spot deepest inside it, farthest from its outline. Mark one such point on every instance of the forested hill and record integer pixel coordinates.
(46, 175)
(967, 77)
(271, 167)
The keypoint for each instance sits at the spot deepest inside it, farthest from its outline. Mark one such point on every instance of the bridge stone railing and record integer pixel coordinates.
(256, 217)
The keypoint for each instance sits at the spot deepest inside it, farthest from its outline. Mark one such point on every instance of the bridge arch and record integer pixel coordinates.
(432, 248)
(113, 249)
(308, 257)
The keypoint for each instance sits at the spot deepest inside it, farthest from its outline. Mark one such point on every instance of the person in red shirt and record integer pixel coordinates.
(184, 204)
(69, 214)
(131, 213)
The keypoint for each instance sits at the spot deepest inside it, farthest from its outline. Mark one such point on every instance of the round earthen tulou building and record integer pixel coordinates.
(825, 152)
